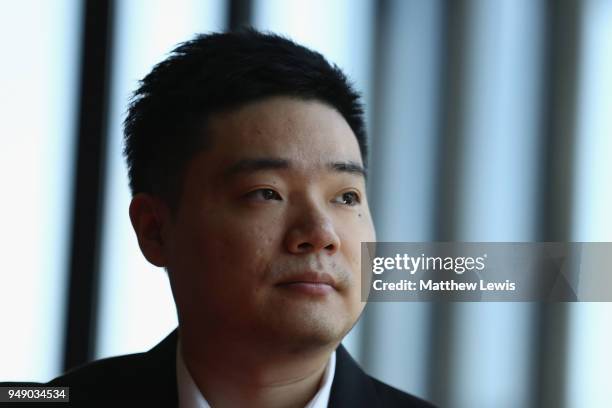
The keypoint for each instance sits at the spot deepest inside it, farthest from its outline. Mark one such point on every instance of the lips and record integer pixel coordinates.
(312, 278)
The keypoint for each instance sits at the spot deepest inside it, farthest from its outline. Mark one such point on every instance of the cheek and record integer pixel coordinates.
(239, 247)
(357, 229)
(218, 261)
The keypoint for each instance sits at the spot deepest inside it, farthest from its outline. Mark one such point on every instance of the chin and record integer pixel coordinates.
(311, 330)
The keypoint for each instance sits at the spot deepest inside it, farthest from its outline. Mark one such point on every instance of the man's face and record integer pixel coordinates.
(265, 244)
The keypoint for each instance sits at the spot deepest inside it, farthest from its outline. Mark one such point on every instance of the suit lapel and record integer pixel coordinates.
(351, 386)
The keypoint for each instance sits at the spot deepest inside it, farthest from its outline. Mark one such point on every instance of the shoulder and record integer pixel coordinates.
(111, 371)
(141, 379)
(105, 382)
(98, 384)
(97, 373)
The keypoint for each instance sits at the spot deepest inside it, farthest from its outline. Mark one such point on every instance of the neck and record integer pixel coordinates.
(238, 375)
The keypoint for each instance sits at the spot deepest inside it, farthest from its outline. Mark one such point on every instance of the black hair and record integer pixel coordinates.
(166, 119)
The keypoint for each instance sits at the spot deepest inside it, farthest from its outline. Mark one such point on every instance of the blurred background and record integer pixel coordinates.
(489, 120)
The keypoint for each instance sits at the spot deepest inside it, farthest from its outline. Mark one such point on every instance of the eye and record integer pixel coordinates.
(350, 198)
(264, 194)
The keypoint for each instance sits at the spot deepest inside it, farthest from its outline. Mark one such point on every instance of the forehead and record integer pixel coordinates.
(303, 131)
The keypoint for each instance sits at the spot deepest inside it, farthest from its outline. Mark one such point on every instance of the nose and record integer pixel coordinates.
(312, 231)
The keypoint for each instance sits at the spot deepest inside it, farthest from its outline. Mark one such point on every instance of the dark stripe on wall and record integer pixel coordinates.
(560, 79)
(240, 14)
(88, 190)
(451, 73)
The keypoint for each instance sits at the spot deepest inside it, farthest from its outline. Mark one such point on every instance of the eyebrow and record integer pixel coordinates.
(271, 163)
(349, 167)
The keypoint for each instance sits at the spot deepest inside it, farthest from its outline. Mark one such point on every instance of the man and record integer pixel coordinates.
(247, 158)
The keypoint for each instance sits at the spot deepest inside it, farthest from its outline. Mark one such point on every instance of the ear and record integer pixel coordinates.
(150, 216)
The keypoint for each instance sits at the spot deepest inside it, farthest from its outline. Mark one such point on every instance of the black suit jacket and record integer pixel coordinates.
(149, 380)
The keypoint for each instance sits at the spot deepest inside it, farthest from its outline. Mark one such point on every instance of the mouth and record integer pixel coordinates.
(309, 283)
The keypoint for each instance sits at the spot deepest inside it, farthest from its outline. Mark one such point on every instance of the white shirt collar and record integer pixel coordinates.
(189, 394)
